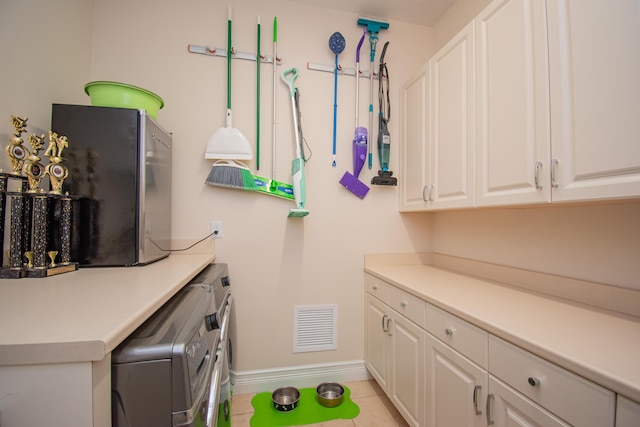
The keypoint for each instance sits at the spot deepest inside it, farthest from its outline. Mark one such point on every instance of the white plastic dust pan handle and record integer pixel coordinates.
(228, 143)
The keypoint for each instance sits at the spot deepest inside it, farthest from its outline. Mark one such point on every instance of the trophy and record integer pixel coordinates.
(32, 237)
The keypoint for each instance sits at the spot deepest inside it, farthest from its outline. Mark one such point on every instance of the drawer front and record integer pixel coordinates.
(377, 287)
(468, 339)
(410, 306)
(570, 397)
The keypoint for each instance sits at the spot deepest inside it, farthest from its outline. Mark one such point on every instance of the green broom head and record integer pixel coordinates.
(231, 174)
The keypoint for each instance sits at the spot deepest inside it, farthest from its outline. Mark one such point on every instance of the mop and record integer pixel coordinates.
(297, 166)
(349, 181)
(336, 44)
(272, 187)
(385, 176)
(374, 28)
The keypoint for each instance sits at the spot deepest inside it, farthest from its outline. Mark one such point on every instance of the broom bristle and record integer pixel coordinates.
(231, 175)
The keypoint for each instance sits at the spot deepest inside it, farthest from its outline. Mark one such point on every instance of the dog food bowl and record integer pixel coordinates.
(330, 394)
(285, 399)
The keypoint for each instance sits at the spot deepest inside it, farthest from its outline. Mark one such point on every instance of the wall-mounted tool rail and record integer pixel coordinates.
(216, 51)
(341, 70)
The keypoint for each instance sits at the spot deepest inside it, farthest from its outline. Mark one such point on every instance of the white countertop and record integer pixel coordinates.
(83, 315)
(599, 346)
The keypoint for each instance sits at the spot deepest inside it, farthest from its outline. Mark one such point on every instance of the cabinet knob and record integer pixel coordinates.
(448, 331)
(533, 381)
(403, 304)
(375, 287)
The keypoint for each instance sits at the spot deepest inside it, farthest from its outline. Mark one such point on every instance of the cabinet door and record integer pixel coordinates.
(376, 353)
(627, 412)
(407, 369)
(512, 114)
(413, 149)
(594, 64)
(506, 407)
(452, 133)
(455, 387)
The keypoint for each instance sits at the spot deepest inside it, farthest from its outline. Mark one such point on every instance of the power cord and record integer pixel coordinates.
(183, 249)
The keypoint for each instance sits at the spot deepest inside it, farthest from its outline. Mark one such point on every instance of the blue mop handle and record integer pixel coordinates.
(373, 41)
(335, 109)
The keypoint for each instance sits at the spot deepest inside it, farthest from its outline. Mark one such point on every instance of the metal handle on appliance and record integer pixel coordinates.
(537, 175)
(224, 328)
(476, 392)
(216, 376)
(554, 166)
(490, 422)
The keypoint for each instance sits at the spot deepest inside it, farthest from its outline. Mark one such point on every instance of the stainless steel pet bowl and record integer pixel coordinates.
(285, 399)
(330, 394)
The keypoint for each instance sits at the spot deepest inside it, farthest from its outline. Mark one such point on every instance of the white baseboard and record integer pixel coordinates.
(298, 376)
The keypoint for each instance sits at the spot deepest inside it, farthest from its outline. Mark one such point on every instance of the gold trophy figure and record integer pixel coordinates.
(55, 169)
(16, 151)
(32, 167)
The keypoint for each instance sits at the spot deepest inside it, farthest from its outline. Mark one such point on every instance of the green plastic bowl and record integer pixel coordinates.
(120, 95)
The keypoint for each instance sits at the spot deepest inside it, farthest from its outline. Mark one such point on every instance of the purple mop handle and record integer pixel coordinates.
(359, 150)
(360, 45)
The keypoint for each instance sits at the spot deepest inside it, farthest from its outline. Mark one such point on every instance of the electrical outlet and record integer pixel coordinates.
(216, 229)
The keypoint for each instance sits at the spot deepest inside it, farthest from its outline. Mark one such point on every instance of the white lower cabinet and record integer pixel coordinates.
(455, 387)
(568, 396)
(440, 371)
(507, 407)
(407, 368)
(376, 354)
(394, 355)
(627, 412)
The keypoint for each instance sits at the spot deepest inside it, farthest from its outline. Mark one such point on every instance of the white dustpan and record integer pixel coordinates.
(228, 142)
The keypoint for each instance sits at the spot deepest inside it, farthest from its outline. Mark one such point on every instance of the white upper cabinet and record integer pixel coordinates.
(414, 98)
(512, 114)
(594, 67)
(533, 102)
(452, 130)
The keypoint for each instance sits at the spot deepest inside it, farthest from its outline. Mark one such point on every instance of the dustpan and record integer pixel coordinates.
(228, 142)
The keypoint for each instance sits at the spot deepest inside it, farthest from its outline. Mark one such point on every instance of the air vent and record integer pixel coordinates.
(314, 328)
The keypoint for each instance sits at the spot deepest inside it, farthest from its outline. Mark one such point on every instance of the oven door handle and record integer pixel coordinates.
(212, 410)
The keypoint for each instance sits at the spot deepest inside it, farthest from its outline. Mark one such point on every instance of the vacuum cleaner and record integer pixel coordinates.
(297, 166)
(385, 176)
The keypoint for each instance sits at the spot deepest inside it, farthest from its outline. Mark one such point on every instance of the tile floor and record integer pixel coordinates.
(375, 409)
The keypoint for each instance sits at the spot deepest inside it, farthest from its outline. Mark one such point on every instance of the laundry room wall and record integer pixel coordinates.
(46, 53)
(276, 262)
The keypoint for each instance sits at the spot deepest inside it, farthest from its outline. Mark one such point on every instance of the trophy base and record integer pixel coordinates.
(12, 273)
(39, 273)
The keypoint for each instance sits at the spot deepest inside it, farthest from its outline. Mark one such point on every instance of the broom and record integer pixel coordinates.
(229, 143)
(228, 173)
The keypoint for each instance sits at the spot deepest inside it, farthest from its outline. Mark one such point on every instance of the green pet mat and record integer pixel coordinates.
(308, 411)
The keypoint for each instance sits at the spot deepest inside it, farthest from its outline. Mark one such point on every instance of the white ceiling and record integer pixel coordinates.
(421, 12)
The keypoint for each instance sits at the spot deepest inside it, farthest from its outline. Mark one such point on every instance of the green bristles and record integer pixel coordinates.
(228, 173)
